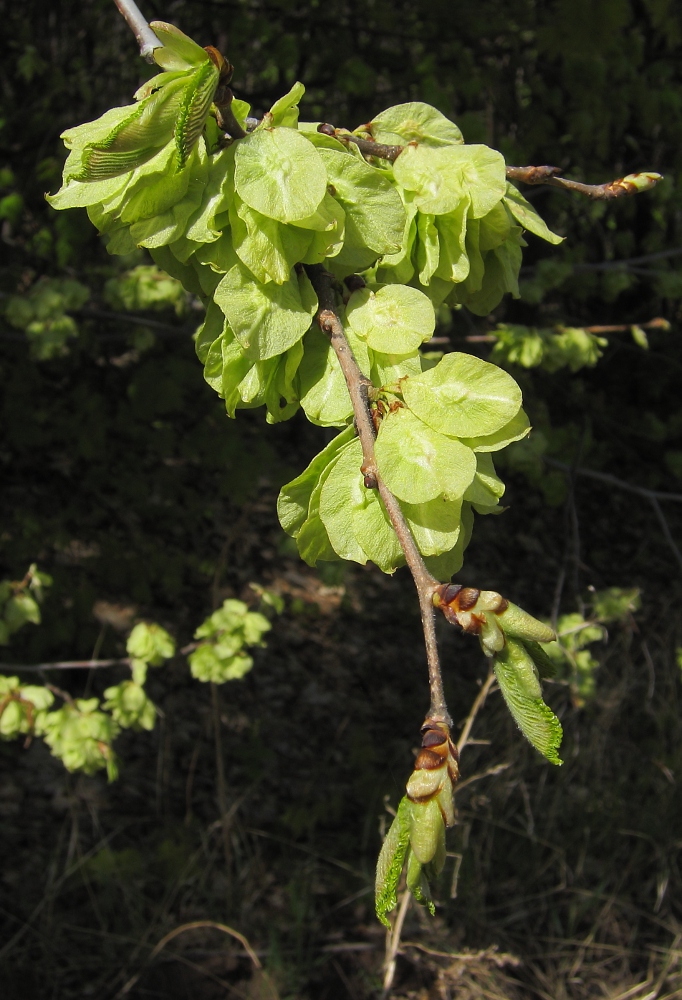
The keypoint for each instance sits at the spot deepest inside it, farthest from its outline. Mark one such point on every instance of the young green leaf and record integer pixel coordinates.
(280, 174)
(517, 676)
(414, 122)
(391, 861)
(395, 319)
(419, 464)
(518, 624)
(427, 829)
(266, 319)
(294, 498)
(179, 52)
(196, 102)
(525, 214)
(463, 396)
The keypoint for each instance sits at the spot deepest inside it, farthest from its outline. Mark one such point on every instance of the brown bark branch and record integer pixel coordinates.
(619, 188)
(368, 147)
(359, 390)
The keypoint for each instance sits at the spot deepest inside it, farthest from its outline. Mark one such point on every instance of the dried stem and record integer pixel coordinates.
(359, 387)
(35, 668)
(393, 943)
(475, 709)
(137, 23)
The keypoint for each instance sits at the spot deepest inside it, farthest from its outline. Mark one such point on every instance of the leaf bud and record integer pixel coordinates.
(427, 827)
(516, 654)
(642, 181)
(491, 636)
(518, 624)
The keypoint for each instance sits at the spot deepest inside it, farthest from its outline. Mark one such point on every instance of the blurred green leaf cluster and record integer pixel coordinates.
(42, 313)
(573, 660)
(226, 635)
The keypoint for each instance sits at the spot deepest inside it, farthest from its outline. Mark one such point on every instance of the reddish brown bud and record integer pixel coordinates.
(446, 593)
(468, 596)
(428, 760)
(326, 129)
(218, 59)
(433, 738)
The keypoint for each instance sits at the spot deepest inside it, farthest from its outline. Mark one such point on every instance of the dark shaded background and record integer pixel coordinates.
(122, 477)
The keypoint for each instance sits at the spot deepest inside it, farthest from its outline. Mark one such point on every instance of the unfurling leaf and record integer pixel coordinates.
(517, 676)
(423, 815)
(391, 861)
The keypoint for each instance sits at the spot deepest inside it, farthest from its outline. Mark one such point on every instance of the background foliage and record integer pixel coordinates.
(123, 479)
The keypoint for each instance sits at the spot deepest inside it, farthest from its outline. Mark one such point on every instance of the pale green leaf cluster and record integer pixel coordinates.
(145, 287)
(23, 708)
(130, 706)
(464, 223)
(433, 450)
(236, 221)
(151, 643)
(550, 349)
(81, 736)
(20, 602)
(570, 653)
(226, 635)
(43, 314)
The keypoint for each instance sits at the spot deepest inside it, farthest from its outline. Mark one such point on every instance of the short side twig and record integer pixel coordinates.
(368, 147)
(359, 387)
(137, 23)
(619, 188)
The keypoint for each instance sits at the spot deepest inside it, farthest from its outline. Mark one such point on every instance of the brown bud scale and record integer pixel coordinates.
(429, 760)
(467, 599)
(433, 738)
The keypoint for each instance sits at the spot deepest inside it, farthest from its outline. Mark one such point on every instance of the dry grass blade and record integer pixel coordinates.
(194, 925)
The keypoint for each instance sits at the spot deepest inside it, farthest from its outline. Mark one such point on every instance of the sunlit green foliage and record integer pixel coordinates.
(226, 634)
